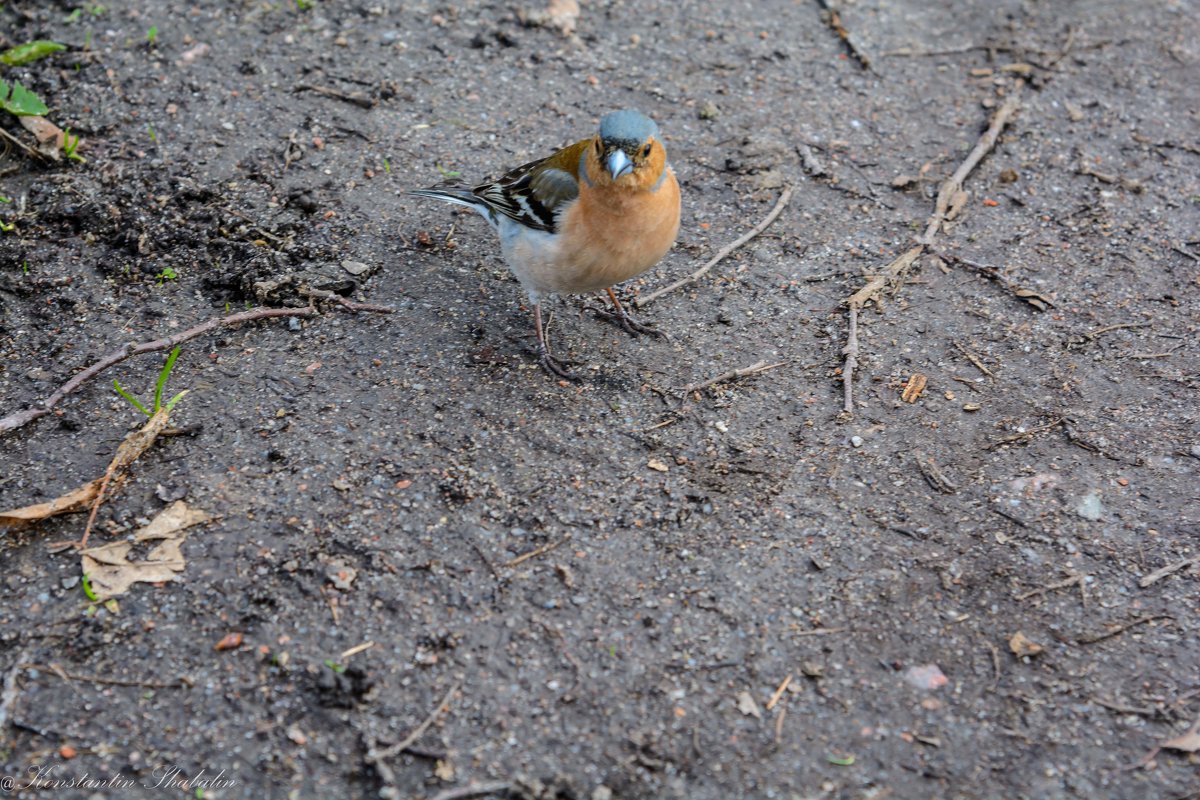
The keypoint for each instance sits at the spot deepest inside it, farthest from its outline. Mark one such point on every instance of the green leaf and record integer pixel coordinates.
(20, 101)
(25, 53)
(841, 761)
(162, 380)
(136, 403)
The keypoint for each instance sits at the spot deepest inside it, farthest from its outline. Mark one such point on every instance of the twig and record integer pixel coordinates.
(356, 98)
(947, 194)
(375, 756)
(546, 548)
(891, 273)
(724, 252)
(474, 790)
(1029, 434)
(949, 51)
(21, 418)
(1159, 574)
(62, 673)
(779, 692)
(850, 351)
(995, 662)
(1123, 709)
(1063, 584)
(1100, 637)
(834, 20)
(353, 651)
(732, 375)
(819, 631)
(974, 359)
(1092, 335)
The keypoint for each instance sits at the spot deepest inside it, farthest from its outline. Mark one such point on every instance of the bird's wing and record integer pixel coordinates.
(533, 193)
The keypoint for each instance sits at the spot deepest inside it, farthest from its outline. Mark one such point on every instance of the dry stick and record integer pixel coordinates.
(819, 631)
(375, 756)
(834, 20)
(69, 676)
(974, 359)
(1159, 574)
(1029, 434)
(725, 251)
(850, 351)
(1063, 584)
(546, 548)
(948, 204)
(474, 790)
(779, 692)
(21, 418)
(733, 374)
(1091, 336)
(1100, 637)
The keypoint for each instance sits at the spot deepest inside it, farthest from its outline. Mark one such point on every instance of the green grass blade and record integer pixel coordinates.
(137, 403)
(31, 51)
(162, 378)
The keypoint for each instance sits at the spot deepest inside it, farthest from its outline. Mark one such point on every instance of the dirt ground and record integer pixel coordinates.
(613, 588)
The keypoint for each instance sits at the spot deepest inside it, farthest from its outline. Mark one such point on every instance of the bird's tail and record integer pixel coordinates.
(460, 197)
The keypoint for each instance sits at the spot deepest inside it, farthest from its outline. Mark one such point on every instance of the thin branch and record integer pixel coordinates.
(725, 251)
(546, 548)
(1119, 629)
(22, 418)
(55, 669)
(1159, 574)
(952, 186)
(950, 201)
(375, 756)
(733, 374)
(850, 351)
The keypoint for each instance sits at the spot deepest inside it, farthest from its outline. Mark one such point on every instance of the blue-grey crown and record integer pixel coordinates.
(627, 125)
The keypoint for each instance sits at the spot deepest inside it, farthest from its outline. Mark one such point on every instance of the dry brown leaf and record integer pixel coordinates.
(112, 573)
(1022, 646)
(50, 137)
(746, 705)
(80, 499)
(1187, 743)
(1036, 299)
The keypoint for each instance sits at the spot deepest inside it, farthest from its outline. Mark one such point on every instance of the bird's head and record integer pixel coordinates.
(627, 152)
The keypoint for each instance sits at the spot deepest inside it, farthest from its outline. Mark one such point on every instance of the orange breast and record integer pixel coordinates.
(612, 235)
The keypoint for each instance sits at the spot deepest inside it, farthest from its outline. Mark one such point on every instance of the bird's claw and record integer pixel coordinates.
(629, 324)
(554, 366)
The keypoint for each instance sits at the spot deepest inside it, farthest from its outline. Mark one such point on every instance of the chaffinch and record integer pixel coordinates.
(599, 212)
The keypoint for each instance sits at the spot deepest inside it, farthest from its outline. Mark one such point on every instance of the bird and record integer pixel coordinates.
(592, 215)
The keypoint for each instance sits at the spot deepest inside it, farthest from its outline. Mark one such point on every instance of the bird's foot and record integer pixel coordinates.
(554, 366)
(628, 323)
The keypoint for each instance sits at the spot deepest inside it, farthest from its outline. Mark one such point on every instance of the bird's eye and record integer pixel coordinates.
(646, 151)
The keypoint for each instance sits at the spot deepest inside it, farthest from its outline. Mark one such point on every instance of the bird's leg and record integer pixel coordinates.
(548, 362)
(622, 318)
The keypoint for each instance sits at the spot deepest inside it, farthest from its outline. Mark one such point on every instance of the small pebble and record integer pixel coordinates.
(856, 441)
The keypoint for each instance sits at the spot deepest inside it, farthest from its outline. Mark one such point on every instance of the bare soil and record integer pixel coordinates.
(621, 589)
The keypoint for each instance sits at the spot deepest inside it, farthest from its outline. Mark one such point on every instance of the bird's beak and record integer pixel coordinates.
(619, 164)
